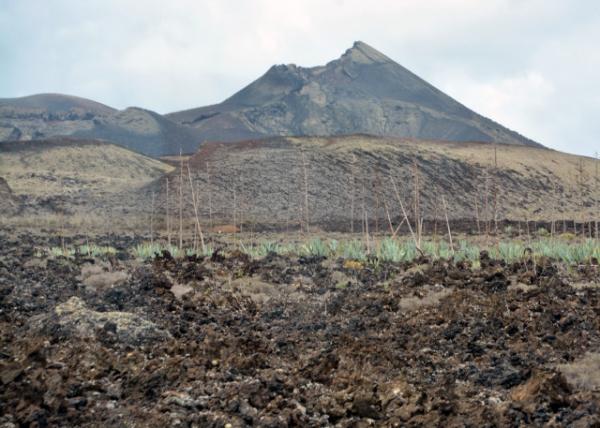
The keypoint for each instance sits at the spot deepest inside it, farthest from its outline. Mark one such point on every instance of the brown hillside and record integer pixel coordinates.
(89, 181)
(262, 181)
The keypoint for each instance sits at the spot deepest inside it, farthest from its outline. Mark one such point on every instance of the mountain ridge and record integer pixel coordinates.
(361, 92)
(43, 116)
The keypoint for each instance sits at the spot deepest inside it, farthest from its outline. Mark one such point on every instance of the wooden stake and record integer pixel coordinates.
(448, 224)
(180, 199)
(495, 191)
(486, 204)
(152, 222)
(305, 192)
(597, 199)
(234, 208)
(387, 213)
(195, 205)
(352, 191)
(168, 217)
(412, 233)
(208, 184)
(477, 216)
(554, 211)
(417, 208)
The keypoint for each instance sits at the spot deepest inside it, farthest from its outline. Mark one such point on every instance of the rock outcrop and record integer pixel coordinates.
(73, 319)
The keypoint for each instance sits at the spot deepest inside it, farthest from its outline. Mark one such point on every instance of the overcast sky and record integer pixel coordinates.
(532, 65)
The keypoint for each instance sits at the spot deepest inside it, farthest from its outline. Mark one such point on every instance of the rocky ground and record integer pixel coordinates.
(228, 341)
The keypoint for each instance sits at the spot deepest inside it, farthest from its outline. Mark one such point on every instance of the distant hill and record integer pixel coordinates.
(90, 180)
(45, 116)
(263, 181)
(363, 91)
(56, 104)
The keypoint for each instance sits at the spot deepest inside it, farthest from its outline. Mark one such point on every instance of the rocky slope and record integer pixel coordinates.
(268, 183)
(363, 91)
(51, 115)
(265, 182)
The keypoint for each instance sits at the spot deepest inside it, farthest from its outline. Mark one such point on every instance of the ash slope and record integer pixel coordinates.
(363, 91)
(91, 181)
(262, 181)
(42, 116)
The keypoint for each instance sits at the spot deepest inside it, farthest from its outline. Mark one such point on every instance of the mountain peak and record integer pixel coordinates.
(361, 92)
(362, 53)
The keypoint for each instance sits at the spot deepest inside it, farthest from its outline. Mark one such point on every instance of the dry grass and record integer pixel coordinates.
(99, 168)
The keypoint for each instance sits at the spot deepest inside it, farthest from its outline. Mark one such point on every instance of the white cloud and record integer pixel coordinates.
(529, 64)
(519, 102)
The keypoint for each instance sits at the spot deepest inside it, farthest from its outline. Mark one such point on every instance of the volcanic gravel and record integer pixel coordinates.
(226, 341)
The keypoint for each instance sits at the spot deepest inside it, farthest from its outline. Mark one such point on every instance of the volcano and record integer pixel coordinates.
(362, 92)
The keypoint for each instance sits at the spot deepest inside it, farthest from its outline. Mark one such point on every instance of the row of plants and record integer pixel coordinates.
(89, 250)
(386, 249)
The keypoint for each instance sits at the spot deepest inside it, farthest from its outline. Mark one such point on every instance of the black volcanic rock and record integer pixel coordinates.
(45, 116)
(361, 92)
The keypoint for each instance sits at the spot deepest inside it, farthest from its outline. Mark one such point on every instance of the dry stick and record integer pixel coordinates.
(377, 187)
(210, 217)
(180, 200)
(495, 191)
(289, 207)
(486, 204)
(168, 217)
(242, 208)
(398, 228)
(387, 213)
(553, 224)
(362, 212)
(393, 231)
(195, 205)
(152, 222)
(352, 190)
(562, 201)
(477, 216)
(435, 214)
(366, 219)
(436, 203)
(195, 240)
(448, 224)
(412, 233)
(233, 213)
(580, 191)
(376, 212)
(417, 209)
(597, 198)
(305, 192)
(62, 216)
